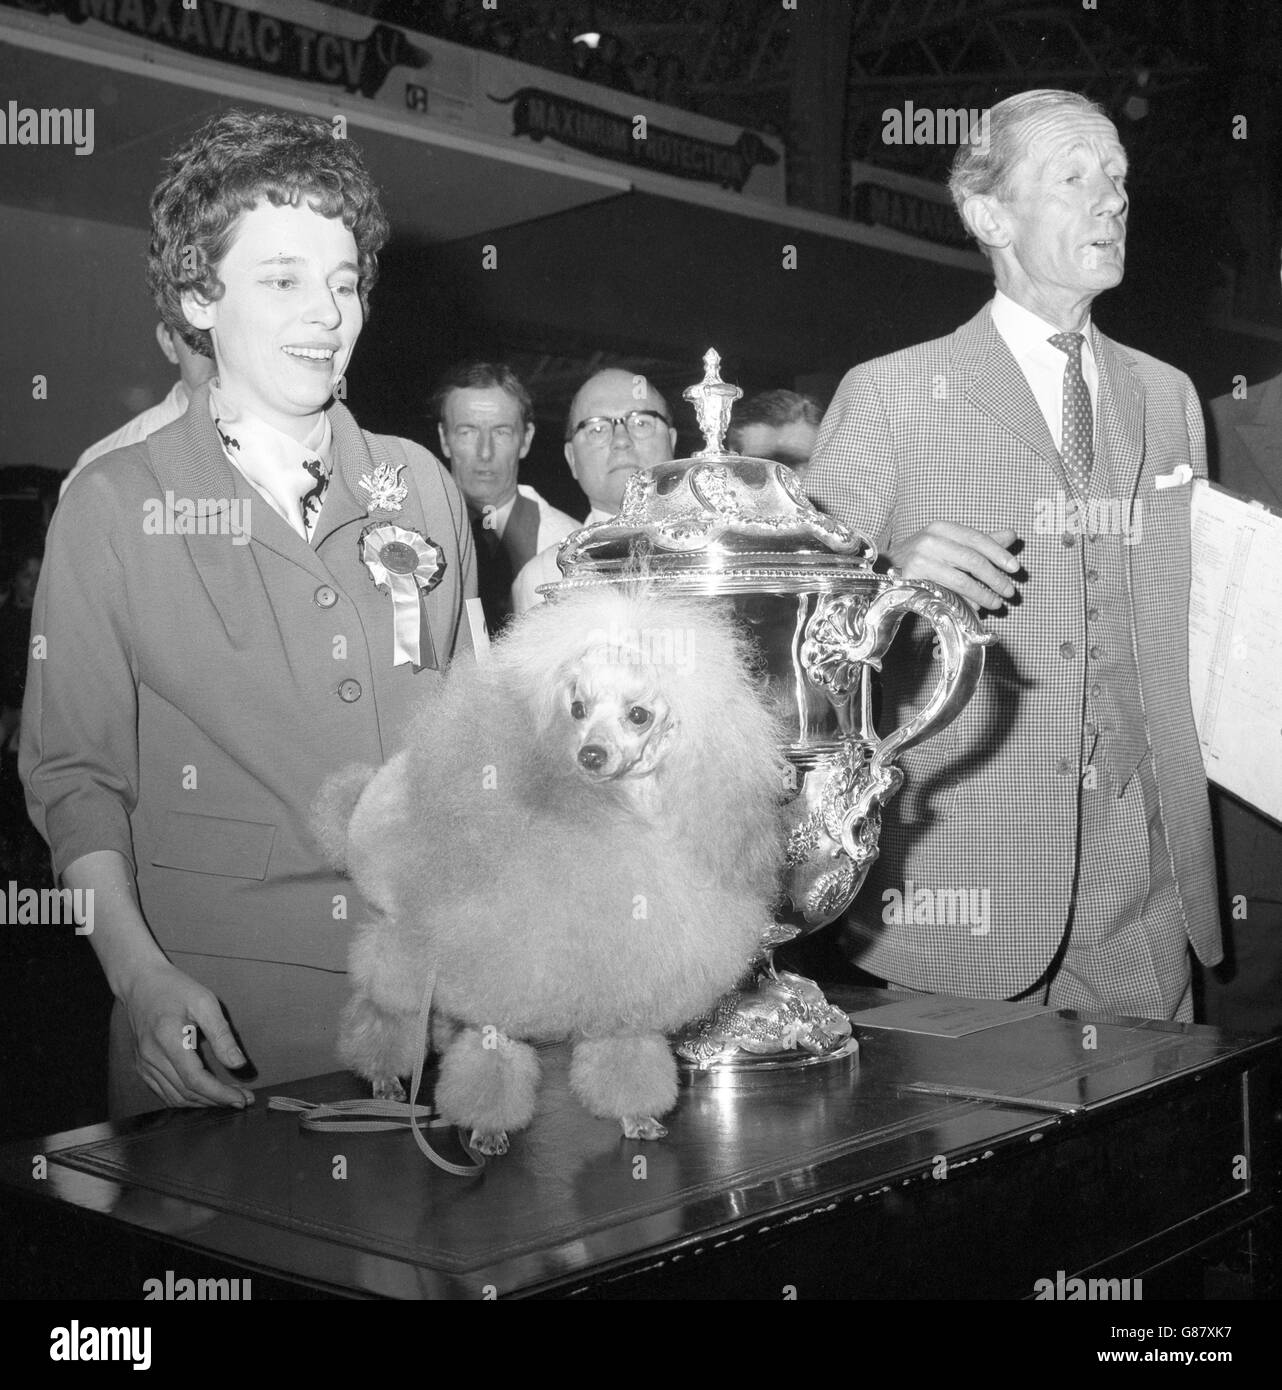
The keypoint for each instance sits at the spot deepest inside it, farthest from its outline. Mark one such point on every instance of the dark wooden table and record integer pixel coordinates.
(833, 1183)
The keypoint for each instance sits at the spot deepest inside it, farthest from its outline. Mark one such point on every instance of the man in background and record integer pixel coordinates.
(194, 369)
(486, 426)
(780, 425)
(617, 424)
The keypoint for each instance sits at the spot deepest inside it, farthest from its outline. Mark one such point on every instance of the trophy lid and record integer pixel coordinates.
(717, 522)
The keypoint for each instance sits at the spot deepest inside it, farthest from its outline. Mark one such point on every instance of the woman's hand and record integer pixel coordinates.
(168, 1012)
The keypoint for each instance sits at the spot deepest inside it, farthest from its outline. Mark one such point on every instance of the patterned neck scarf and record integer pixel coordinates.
(291, 475)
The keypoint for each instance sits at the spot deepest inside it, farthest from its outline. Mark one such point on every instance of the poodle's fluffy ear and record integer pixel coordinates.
(332, 810)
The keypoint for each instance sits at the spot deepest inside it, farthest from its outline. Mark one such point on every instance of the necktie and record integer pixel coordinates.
(1077, 436)
(493, 575)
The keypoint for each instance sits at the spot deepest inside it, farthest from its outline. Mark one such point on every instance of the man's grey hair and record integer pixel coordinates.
(980, 169)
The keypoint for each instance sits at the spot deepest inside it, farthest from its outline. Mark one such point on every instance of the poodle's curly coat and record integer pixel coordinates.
(552, 902)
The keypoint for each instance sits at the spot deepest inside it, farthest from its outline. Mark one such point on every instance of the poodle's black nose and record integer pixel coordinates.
(593, 757)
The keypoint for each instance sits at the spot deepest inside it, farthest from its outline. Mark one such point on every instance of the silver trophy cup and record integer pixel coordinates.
(740, 530)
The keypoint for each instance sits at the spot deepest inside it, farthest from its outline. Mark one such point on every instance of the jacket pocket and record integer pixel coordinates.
(214, 845)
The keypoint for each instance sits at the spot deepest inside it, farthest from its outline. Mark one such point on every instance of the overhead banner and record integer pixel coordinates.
(916, 207)
(420, 78)
(631, 136)
(250, 38)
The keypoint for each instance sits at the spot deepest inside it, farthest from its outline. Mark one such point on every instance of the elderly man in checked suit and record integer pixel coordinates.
(1042, 471)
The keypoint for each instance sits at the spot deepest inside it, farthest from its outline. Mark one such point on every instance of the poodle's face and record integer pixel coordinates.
(620, 722)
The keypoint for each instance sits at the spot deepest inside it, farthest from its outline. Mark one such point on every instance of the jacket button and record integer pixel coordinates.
(324, 597)
(1067, 651)
(1069, 539)
(1092, 575)
(349, 692)
(1095, 689)
(1095, 653)
(1064, 766)
(1092, 615)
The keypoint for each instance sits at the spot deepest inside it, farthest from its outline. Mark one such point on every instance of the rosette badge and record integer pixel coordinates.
(407, 566)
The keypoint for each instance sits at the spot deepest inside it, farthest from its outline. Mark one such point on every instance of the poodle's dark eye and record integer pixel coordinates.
(578, 710)
(640, 716)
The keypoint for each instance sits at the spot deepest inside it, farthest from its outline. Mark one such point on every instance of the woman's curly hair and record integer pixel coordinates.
(227, 168)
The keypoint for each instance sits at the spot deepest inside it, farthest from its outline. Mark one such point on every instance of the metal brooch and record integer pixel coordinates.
(386, 492)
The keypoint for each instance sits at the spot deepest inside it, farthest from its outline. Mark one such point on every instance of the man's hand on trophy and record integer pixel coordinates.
(975, 564)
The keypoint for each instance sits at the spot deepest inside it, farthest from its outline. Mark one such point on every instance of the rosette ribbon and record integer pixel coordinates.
(407, 566)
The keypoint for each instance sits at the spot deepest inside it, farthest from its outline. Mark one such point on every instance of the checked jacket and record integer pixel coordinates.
(949, 430)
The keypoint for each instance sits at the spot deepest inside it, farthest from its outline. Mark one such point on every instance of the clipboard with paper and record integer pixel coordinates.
(1235, 644)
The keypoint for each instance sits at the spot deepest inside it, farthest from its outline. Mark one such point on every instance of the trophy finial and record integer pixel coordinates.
(713, 400)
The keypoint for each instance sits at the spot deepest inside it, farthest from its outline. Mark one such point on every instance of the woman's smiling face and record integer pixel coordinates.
(289, 315)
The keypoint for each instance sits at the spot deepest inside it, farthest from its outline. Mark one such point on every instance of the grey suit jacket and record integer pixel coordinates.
(949, 430)
(192, 691)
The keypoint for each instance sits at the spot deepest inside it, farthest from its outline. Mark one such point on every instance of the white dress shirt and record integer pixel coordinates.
(543, 569)
(134, 431)
(554, 524)
(496, 517)
(1042, 363)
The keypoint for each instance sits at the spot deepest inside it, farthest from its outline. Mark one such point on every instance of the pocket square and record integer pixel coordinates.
(1178, 477)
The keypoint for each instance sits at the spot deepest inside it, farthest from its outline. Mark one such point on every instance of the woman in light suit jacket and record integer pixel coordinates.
(247, 600)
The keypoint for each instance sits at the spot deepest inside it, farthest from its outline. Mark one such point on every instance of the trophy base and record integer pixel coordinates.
(777, 1024)
(747, 1072)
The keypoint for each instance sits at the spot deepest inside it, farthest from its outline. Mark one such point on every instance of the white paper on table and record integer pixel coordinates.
(1235, 644)
(945, 1015)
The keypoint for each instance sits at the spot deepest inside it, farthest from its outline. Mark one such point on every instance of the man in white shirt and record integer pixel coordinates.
(617, 424)
(194, 368)
(1042, 471)
(486, 427)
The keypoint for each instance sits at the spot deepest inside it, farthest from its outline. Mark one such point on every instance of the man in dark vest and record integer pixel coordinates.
(486, 426)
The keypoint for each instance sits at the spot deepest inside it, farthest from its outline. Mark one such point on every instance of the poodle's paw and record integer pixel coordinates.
(491, 1142)
(487, 1087)
(630, 1077)
(388, 1088)
(641, 1127)
(376, 1044)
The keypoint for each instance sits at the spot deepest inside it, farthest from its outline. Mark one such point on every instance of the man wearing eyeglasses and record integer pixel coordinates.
(618, 423)
(486, 427)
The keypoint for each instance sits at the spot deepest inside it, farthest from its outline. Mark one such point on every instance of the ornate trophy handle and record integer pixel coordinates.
(848, 633)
